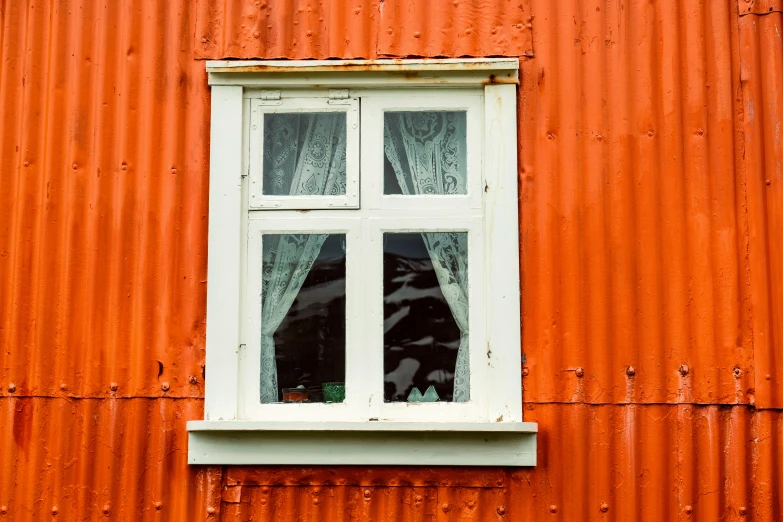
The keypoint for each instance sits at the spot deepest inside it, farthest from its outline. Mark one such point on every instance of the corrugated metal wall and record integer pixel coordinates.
(651, 200)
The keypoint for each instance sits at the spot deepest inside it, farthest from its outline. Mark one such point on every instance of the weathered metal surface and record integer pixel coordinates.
(362, 29)
(649, 239)
(762, 77)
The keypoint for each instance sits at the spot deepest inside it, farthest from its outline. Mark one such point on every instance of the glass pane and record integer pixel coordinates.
(303, 318)
(425, 326)
(425, 153)
(304, 154)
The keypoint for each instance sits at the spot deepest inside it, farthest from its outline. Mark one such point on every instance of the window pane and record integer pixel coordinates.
(425, 298)
(304, 154)
(303, 318)
(425, 153)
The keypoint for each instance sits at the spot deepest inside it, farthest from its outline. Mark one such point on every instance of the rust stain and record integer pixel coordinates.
(650, 211)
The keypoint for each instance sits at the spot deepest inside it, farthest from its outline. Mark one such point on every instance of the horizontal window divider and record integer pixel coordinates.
(243, 425)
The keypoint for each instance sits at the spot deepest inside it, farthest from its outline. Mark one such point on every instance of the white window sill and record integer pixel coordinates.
(376, 443)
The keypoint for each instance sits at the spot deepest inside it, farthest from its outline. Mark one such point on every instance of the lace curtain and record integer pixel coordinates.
(426, 150)
(304, 154)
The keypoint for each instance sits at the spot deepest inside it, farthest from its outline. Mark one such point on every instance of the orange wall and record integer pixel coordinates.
(651, 206)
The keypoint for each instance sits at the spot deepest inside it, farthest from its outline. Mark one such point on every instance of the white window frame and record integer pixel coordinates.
(489, 429)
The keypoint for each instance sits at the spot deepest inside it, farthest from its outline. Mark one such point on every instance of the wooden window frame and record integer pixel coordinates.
(487, 430)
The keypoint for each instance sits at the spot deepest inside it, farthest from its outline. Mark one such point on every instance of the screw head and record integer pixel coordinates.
(604, 507)
(553, 508)
(193, 379)
(11, 388)
(501, 510)
(114, 386)
(445, 507)
(525, 372)
(471, 504)
(367, 493)
(743, 510)
(768, 377)
(165, 386)
(768, 182)
(210, 511)
(630, 370)
(688, 509)
(55, 510)
(579, 371)
(158, 505)
(737, 372)
(63, 386)
(3, 509)
(684, 369)
(106, 509)
(417, 498)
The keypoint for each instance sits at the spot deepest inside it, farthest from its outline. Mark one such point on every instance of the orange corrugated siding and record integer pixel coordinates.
(649, 238)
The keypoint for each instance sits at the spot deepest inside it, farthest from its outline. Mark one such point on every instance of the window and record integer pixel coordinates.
(363, 281)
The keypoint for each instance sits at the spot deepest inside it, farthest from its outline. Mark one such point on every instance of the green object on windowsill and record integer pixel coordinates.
(333, 391)
(429, 396)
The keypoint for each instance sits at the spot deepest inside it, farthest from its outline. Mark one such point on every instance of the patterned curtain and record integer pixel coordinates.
(426, 150)
(304, 154)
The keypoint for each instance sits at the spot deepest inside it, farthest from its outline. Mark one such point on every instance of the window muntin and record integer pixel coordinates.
(304, 153)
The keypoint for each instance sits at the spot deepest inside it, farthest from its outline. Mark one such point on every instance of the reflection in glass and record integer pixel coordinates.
(425, 153)
(425, 298)
(304, 154)
(303, 317)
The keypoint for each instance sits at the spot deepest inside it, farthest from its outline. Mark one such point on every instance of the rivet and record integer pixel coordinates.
(553, 508)
(417, 34)
(55, 510)
(193, 379)
(768, 376)
(256, 34)
(3, 509)
(468, 30)
(417, 498)
(737, 372)
(357, 10)
(309, 33)
(501, 510)
(106, 509)
(210, 511)
(471, 504)
(63, 386)
(74, 166)
(262, 502)
(265, 489)
(525, 372)
(743, 511)
(630, 370)
(203, 40)
(315, 501)
(604, 507)
(650, 133)
(684, 369)
(367, 493)
(688, 509)
(124, 166)
(11, 388)
(579, 372)
(389, 30)
(26, 163)
(700, 132)
(114, 386)
(165, 386)
(159, 505)
(173, 171)
(445, 507)
(768, 182)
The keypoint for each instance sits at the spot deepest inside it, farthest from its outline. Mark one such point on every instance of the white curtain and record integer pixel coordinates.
(426, 150)
(304, 154)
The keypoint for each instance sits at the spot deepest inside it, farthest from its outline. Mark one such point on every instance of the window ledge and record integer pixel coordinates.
(364, 443)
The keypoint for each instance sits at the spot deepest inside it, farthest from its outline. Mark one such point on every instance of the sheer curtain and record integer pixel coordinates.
(304, 154)
(426, 150)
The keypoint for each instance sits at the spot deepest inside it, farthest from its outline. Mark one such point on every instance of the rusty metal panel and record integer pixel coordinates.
(362, 29)
(632, 219)
(762, 76)
(103, 168)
